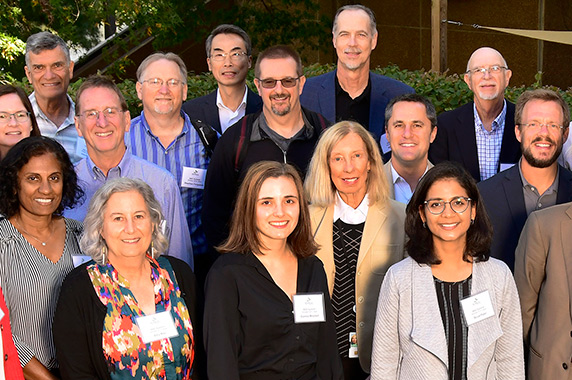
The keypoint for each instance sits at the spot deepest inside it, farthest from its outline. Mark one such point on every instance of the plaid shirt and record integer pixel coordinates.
(489, 143)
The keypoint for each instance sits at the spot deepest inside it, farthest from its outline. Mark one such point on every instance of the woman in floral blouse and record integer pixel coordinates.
(128, 313)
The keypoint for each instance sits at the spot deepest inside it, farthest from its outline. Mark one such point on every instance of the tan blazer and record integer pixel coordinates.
(387, 171)
(543, 274)
(382, 245)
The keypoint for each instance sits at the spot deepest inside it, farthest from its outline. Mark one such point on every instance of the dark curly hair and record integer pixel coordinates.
(479, 235)
(18, 156)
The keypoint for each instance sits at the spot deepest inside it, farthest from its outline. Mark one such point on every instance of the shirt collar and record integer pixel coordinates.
(347, 213)
(121, 168)
(220, 104)
(39, 113)
(186, 124)
(498, 122)
(525, 183)
(396, 177)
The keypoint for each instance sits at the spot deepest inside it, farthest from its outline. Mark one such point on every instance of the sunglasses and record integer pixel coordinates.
(285, 82)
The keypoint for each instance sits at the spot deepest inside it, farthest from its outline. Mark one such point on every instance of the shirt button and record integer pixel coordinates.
(360, 299)
(564, 365)
(539, 205)
(358, 273)
(361, 324)
(298, 337)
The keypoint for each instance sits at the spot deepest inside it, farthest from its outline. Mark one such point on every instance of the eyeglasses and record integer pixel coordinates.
(236, 56)
(20, 117)
(108, 113)
(271, 83)
(495, 69)
(156, 83)
(538, 126)
(437, 206)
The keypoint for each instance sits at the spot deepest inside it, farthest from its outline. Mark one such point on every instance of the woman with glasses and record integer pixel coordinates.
(17, 119)
(448, 311)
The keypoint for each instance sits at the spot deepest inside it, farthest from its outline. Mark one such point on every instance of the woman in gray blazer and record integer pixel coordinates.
(448, 311)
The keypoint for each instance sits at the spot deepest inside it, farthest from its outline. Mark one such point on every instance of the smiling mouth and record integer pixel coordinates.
(448, 226)
(350, 180)
(130, 241)
(13, 133)
(278, 224)
(408, 145)
(44, 201)
(103, 134)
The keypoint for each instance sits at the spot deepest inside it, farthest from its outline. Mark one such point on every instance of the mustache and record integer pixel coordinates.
(280, 96)
(544, 139)
(352, 50)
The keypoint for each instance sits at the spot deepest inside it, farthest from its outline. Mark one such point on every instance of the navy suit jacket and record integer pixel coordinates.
(456, 139)
(204, 108)
(504, 200)
(319, 95)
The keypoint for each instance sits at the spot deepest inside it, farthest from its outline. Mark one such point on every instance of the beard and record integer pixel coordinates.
(284, 111)
(541, 162)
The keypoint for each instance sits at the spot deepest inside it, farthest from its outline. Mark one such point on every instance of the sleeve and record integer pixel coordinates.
(220, 190)
(529, 270)
(221, 325)
(438, 150)
(180, 245)
(509, 353)
(25, 353)
(386, 346)
(329, 365)
(71, 332)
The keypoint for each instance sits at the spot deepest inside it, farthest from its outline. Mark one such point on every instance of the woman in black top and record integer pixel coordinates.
(269, 267)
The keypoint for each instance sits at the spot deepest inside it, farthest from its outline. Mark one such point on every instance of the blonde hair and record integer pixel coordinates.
(319, 186)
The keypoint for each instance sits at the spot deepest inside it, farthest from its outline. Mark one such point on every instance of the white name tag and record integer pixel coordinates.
(506, 166)
(80, 259)
(193, 178)
(477, 307)
(385, 147)
(156, 326)
(309, 307)
(353, 352)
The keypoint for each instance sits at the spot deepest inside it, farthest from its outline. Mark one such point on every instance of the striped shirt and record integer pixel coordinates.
(31, 285)
(186, 150)
(489, 143)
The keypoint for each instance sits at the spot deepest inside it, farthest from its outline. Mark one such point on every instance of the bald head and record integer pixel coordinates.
(487, 75)
(485, 53)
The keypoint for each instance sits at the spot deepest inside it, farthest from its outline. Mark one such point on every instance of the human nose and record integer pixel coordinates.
(448, 211)
(279, 209)
(407, 131)
(352, 40)
(12, 120)
(49, 73)
(348, 166)
(45, 187)
(129, 225)
(101, 120)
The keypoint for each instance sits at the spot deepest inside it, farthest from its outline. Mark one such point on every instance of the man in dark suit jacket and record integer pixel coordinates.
(537, 181)
(480, 135)
(352, 92)
(229, 51)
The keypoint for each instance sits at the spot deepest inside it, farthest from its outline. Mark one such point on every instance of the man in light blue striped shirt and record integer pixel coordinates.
(164, 135)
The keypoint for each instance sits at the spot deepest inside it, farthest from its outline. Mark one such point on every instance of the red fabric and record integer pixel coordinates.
(10, 361)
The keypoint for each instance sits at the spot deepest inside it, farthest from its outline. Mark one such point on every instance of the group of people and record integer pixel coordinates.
(322, 228)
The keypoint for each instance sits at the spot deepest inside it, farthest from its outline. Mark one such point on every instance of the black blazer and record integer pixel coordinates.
(456, 140)
(504, 200)
(205, 109)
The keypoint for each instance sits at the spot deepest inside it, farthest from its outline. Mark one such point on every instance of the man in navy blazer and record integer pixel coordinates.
(537, 181)
(352, 92)
(480, 135)
(229, 57)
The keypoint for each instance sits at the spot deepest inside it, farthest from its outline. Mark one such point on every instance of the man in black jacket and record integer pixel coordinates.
(283, 131)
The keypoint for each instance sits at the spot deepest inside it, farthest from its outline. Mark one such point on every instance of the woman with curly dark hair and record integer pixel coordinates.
(37, 245)
(448, 312)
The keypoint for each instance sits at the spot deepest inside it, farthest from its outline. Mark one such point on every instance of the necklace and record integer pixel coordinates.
(43, 243)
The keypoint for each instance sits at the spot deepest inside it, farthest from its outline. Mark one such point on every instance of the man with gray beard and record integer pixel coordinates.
(480, 134)
(283, 131)
(352, 92)
(537, 181)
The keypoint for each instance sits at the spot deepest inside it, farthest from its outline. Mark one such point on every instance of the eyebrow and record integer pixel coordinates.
(234, 48)
(287, 196)
(413, 121)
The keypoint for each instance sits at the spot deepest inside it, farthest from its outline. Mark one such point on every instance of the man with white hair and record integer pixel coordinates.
(480, 134)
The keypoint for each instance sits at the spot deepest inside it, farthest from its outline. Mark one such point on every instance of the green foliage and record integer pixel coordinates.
(447, 92)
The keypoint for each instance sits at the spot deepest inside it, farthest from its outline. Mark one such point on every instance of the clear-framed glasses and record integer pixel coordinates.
(437, 206)
(235, 56)
(538, 126)
(156, 83)
(108, 113)
(20, 117)
(495, 69)
(271, 83)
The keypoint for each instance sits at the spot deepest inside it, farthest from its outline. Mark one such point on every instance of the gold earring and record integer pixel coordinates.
(103, 253)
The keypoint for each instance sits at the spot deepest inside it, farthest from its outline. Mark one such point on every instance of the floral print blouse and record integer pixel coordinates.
(127, 356)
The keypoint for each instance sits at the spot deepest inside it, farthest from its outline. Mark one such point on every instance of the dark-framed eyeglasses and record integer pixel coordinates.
(271, 83)
(457, 204)
(20, 117)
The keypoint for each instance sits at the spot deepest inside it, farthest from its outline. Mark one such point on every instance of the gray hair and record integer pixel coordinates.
(356, 7)
(41, 41)
(158, 56)
(228, 29)
(92, 243)
(413, 98)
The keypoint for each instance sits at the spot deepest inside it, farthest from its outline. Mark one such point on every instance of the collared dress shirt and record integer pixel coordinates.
(489, 143)
(65, 134)
(163, 185)
(401, 188)
(227, 116)
(533, 200)
(186, 150)
(347, 213)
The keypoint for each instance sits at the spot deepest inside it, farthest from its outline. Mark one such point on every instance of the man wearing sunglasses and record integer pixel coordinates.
(537, 181)
(229, 57)
(283, 131)
(480, 134)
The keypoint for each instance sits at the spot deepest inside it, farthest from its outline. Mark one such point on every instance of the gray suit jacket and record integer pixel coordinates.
(409, 340)
(543, 274)
(387, 170)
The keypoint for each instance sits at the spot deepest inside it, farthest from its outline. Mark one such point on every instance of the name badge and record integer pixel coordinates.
(193, 178)
(477, 307)
(309, 307)
(384, 143)
(156, 326)
(353, 352)
(80, 259)
(505, 166)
